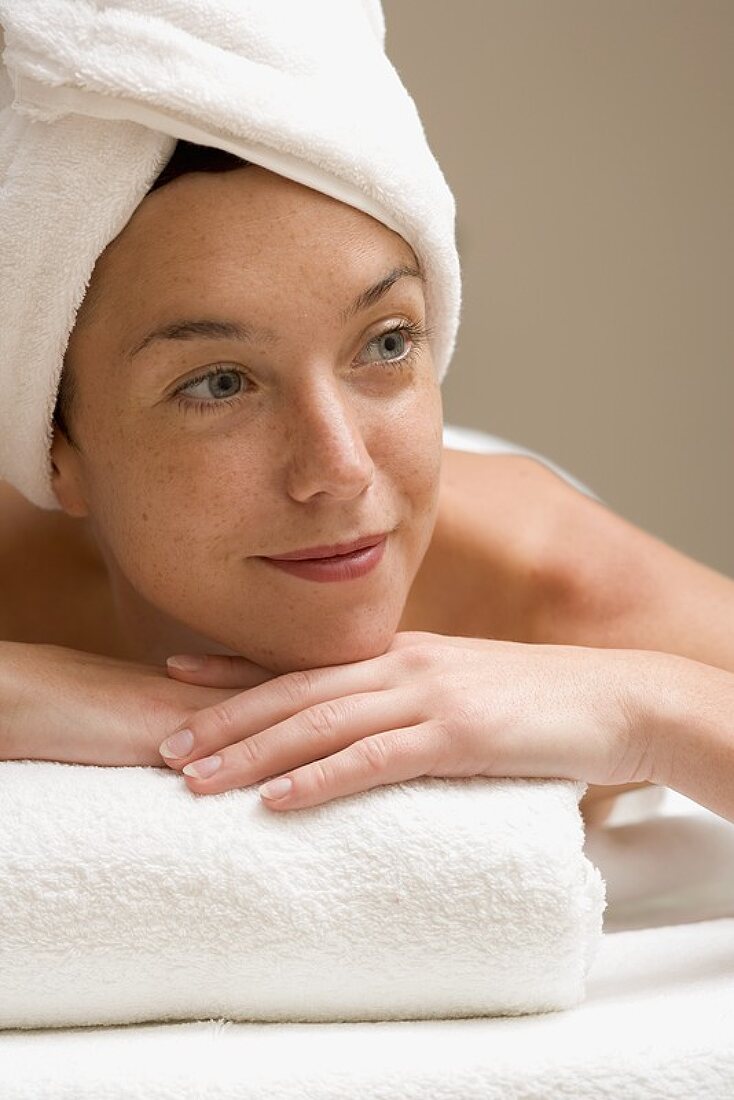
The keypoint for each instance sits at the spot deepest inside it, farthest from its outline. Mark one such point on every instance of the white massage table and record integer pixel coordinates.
(657, 1022)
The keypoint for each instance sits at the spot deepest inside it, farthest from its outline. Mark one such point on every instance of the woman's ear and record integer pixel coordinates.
(66, 478)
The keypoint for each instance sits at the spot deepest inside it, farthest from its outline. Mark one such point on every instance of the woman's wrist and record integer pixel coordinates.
(688, 717)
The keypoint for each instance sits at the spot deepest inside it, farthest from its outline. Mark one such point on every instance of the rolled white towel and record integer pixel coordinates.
(126, 898)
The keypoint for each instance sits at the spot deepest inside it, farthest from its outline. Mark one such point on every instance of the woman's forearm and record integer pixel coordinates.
(691, 728)
(74, 707)
(14, 741)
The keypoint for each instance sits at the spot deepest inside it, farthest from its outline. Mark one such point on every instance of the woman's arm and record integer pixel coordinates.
(74, 707)
(691, 729)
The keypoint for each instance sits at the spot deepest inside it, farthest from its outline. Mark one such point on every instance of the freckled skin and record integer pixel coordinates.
(321, 442)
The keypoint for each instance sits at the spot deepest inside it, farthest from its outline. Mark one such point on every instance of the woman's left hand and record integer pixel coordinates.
(431, 705)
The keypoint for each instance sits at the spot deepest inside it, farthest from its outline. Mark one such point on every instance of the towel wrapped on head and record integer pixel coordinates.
(92, 104)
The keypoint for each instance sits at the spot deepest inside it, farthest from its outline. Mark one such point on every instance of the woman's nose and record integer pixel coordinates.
(327, 449)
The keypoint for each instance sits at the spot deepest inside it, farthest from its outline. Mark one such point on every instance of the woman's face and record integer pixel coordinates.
(317, 429)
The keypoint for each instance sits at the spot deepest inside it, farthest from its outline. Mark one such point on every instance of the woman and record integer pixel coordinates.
(249, 375)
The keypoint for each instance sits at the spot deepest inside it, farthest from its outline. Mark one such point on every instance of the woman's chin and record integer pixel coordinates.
(297, 654)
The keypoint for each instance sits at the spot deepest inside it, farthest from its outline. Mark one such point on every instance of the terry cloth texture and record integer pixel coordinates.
(125, 897)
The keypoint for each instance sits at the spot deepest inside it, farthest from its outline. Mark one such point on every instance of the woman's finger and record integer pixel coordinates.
(393, 756)
(263, 706)
(310, 735)
(217, 670)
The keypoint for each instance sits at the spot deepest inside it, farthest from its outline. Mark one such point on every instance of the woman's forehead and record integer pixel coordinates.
(211, 233)
(250, 201)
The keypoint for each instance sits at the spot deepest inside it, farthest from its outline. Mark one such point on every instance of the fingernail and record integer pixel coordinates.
(202, 769)
(276, 788)
(178, 744)
(186, 662)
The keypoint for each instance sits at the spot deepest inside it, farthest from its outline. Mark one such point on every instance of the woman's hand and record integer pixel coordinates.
(82, 708)
(431, 705)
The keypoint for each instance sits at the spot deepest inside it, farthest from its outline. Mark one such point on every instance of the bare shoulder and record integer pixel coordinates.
(515, 510)
(578, 574)
(511, 492)
(18, 570)
(480, 574)
(47, 574)
(505, 478)
(25, 527)
(597, 578)
(14, 511)
(21, 528)
(609, 582)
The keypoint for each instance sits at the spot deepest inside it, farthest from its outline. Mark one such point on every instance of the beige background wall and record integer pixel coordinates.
(589, 147)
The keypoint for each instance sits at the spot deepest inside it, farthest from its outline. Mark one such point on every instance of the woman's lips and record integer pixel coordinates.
(341, 567)
(333, 550)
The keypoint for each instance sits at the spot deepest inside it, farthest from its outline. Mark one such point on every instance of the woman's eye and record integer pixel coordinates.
(392, 344)
(218, 385)
(224, 385)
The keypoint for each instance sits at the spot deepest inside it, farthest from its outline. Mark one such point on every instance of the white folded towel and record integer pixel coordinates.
(97, 96)
(126, 898)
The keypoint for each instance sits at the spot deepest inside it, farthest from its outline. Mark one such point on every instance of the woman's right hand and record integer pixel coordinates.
(82, 708)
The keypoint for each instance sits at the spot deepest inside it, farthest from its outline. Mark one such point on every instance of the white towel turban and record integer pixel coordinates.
(94, 97)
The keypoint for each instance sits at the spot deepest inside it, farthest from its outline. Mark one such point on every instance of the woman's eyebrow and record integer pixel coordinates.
(372, 294)
(207, 328)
